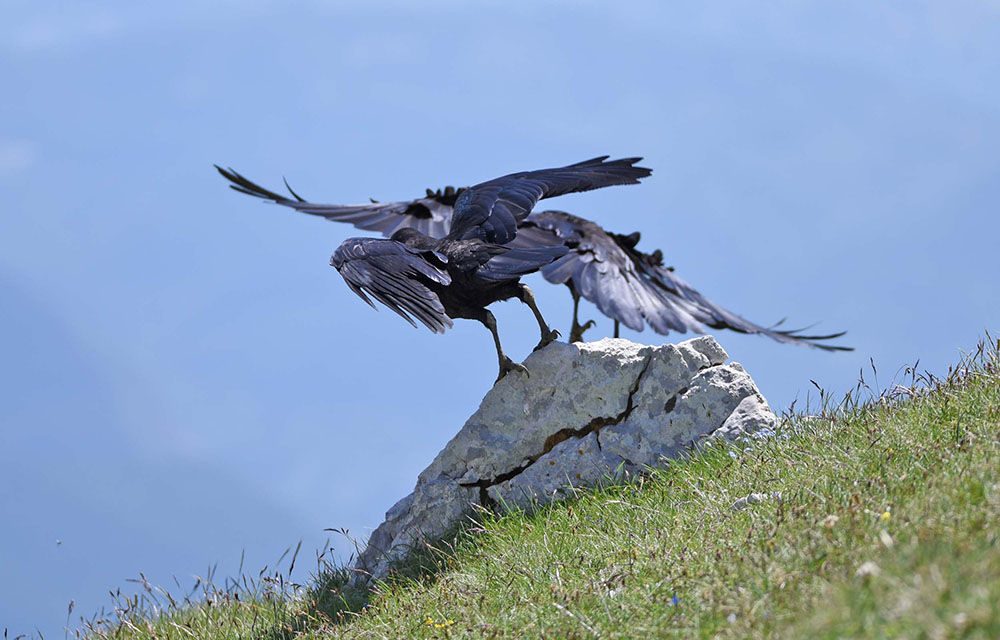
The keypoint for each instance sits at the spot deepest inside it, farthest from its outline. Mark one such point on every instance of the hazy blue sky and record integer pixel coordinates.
(183, 376)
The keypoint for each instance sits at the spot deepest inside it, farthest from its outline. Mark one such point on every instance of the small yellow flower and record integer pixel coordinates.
(429, 621)
(886, 514)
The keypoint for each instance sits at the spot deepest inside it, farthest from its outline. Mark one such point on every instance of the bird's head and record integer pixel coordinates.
(629, 241)
(404, 234)
(634, 237)
(414, 239)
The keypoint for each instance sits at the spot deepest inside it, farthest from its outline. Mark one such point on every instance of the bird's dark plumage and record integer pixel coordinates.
(676, 291)
(430, 215)
(492, 210)
(396, 275)
(627, 285)
(599, 270)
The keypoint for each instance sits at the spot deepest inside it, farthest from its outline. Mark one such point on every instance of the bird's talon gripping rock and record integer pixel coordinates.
(549, 338)
(576, 333)
(509, 365)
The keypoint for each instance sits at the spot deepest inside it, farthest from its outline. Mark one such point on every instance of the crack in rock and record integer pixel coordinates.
(594, 426)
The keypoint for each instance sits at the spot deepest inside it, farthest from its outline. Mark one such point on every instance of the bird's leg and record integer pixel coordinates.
(576, 331)
(528, 298)
(616, 328)
(506, 364)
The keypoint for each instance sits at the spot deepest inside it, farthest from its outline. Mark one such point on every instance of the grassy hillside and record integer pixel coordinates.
(887, 525)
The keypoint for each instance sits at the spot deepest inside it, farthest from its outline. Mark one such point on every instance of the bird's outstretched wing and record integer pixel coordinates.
(674, 290)
(492, 210)
(631, 287)
(430, 215)
(603, 273)
(397, 276)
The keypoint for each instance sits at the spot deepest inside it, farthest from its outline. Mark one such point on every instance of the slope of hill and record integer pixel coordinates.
(878, 516)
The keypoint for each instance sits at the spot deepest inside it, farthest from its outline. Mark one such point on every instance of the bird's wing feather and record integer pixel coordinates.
(631, 286)
(513, 262)
(674, 290)
(430, 215)
(492, 210)
(395, 275)
(597, 268)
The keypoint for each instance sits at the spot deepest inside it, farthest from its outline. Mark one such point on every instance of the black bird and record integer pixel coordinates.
(457, 276)
(627, 285)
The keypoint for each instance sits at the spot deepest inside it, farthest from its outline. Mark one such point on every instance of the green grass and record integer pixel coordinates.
(886, 526)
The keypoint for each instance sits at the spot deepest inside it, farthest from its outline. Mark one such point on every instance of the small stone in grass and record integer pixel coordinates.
(867, 570)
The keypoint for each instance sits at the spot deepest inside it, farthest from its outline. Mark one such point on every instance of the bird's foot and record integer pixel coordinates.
(507, 365)
(548, 337)
(576, 333)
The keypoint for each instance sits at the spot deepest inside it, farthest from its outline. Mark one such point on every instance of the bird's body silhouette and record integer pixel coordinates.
(629, 286)
(436, 279)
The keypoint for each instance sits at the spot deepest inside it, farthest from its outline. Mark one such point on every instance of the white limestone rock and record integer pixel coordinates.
(587, 412)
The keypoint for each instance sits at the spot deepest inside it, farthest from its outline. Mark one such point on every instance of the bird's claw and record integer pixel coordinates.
(547, 339)
(576, 333)
(507, 365)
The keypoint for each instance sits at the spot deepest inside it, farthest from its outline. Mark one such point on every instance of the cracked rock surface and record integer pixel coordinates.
(587, 411)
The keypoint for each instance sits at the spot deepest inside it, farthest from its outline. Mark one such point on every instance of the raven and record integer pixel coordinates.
(627, 285)
(436, 279)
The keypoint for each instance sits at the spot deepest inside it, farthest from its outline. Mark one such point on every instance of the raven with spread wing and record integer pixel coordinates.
(436, 279)
(632, 287)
